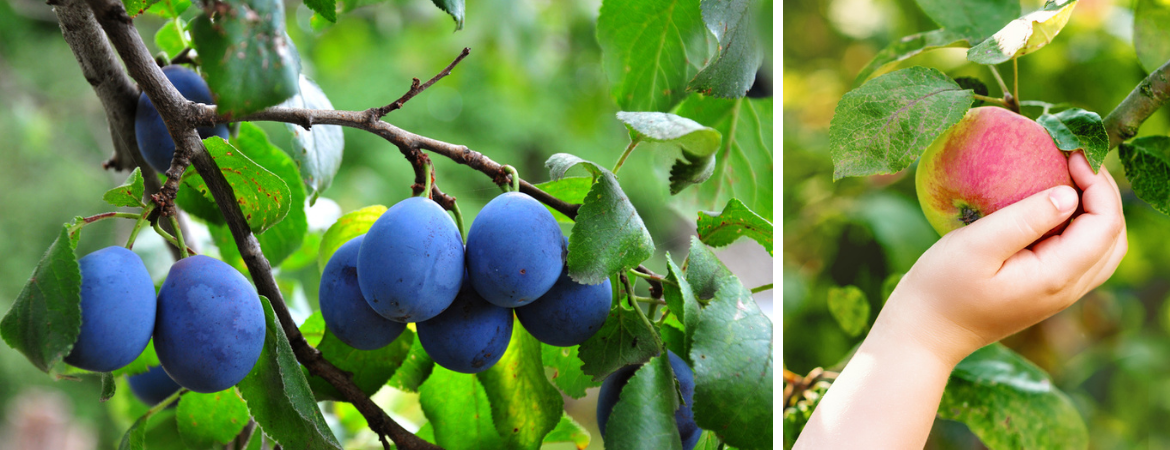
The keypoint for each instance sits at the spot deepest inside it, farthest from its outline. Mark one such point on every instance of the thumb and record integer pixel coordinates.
(1007, 231)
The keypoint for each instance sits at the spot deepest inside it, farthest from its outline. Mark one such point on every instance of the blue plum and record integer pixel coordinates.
(567, 314)
(153, 386)
(468, 337)
(210, 327)
(515, 250)
(684, 417)
(117, 310)
(154, 141)
(346, 313)
(410, 265)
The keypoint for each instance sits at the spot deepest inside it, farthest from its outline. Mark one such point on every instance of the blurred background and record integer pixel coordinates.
(532, 86)
(1110, 351)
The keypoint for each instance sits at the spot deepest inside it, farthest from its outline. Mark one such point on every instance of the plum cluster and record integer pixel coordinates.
(206, 320)
(412, 267)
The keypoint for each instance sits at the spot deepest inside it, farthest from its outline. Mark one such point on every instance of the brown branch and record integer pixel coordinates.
(655, 283)
(376, 114)
(406, 141)
(177, 114)
(1149, 95)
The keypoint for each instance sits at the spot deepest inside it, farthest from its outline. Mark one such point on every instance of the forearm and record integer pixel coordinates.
(886, 397)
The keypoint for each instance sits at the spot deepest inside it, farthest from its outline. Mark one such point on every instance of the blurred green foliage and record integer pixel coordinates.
(532, 86)
(1109, 351)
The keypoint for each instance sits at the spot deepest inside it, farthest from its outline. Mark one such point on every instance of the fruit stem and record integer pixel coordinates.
(633, 303)
(998, 79)
(649, 277)
(998, 101)
(650, 300)
(459, 221)
(629, 148)
(165, 403)
(142, 220)
(158, 229)
(515, 185)
(1016, 81)
(179, 235)
(763, 288)
(428, 176)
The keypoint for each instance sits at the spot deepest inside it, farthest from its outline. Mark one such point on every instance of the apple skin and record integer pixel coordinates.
(992, 158)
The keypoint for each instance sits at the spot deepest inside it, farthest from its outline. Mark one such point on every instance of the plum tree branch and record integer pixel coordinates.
(177, 113)
(415, 89)
(1123, 122)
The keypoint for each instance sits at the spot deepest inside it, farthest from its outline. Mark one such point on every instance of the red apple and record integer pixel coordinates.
(992, 158)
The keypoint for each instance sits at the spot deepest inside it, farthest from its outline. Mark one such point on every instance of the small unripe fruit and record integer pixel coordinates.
(515, 250)
(347, 314)
(990, 159)
(210, 327)
(117, 310)
(410, 265)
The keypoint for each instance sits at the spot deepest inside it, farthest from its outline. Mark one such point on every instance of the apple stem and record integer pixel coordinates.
(999, 79)
(996, 100)
(1016, 81)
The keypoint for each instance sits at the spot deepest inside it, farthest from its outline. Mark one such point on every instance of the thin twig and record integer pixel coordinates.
(376, 114)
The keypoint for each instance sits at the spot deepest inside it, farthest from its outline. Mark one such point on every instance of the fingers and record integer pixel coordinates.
(1003, 233)
(1091, 235)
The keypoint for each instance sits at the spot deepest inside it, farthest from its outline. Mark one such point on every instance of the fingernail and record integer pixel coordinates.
(1063, 197)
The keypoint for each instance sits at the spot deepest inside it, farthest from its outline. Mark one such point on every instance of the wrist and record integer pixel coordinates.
(919, 332)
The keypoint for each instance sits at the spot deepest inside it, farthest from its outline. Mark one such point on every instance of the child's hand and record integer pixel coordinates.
(975, 286)
(979, 284)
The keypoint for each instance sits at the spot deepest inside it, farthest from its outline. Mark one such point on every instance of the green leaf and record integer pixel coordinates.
(525, 406)
(884, 125)
(109, 388)
(1024, 35)
(743, 165)
(348, 226)
(736, 220)
(135, 437)
(324, 8)
(696, 143)
(1076, 129)
(568, 430)
(167, 9)
(909, 46)
(191, 200)
(136, 7)
(674, 338)
(1010, 403)
(703, 270)
(284, 238)
(570, 190)
(973, 20)
(454, 8)
(1147, 166)
(1151, 33)
(415, 369)
(371, 369)
(609, 235)
(457, 407)
(850, 308)
(246, 56)
(313, 328)
(129, 193)
(169, 37)
(643, 417)
(263, 197)
(566, 366)
(45, 320)
(681, 300)
(317, 151)
(708, 441)
(677, 132)
(732, 73)
(650, 50)
(626, 338)
(207, 420)
(278, 394)
(732, 357)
